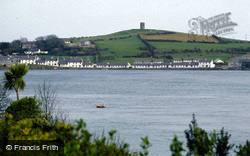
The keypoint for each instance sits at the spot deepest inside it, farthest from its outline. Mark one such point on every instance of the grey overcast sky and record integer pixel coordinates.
(76, 18)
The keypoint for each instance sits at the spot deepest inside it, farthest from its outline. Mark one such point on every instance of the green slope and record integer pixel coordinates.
(133, 32)
(125, 46)
(121, 47)
(168, 46)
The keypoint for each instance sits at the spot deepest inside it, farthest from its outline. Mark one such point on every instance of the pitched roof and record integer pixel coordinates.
(102, 64)
(86, 64)
(118, 64)
(40, 61)
(49, 59)
(185, 63)
(62, 62)
(74, 61)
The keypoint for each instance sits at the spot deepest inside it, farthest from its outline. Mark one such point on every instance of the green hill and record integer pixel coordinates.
(134, 44)
(133, 32)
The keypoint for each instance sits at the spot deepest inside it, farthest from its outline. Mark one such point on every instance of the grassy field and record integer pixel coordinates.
(113, 47)
(168, 46)
(132, 32)
(180, 37)
(121, 47)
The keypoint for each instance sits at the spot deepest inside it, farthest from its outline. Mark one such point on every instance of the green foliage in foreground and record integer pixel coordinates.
(27, 107)
(176, 147)
(78, 140)
(244, 150)
(202, 143)
(27, 122)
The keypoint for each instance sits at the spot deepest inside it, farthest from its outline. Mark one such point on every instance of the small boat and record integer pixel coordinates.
(100, 106)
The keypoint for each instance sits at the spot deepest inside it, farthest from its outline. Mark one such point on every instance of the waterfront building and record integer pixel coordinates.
(27, 59)
(51, 62)
(63, 63)
(75, 63)
(218, 61)
(40, 62)
(202, 63)
(147, 61)
(88, 65)
(113, 65)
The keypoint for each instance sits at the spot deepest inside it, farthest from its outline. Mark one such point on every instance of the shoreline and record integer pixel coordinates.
(65, 68)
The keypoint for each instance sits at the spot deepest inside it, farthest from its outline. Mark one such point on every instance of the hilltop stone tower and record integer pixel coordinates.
(142, 25)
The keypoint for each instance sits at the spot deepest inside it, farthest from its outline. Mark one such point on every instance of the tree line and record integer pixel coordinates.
(50, 43)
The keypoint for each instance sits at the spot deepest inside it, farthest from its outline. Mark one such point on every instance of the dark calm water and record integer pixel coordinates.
(157, 104)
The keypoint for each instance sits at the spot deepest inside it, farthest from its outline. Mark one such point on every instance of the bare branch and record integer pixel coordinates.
(47, 94)
(4, 100)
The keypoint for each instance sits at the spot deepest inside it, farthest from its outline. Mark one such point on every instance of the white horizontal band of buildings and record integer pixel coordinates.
(120, 67)
(80, 64)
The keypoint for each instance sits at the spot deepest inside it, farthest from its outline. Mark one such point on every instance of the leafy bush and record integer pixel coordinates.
(200, 142)
(222, 145)
(243, 150)
(27, 107)
(81, 144)
(176, 147)
(77, 140)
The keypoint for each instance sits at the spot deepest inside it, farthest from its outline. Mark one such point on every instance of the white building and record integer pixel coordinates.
(113, 65)
(75, 63)
(148, 61)
(218, 61)
(142, 66)
(51, 62)
(184, 65)
(88, 65)
(201, 63)
(34, 52)
(40, 62)
(206, 64)
(28, 60)
(84, 43)
(63, 63)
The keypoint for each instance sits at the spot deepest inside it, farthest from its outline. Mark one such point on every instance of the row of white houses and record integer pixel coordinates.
(138, 64)
(183, 65)
(74, 63)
